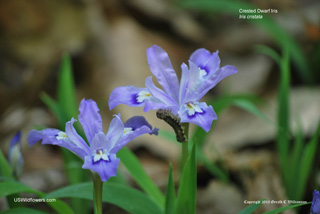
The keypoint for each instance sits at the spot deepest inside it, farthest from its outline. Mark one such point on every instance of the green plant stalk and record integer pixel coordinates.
(184, 146)
(187, 192)
(97, 193)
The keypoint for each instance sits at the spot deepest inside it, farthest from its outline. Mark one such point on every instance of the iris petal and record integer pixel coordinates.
(126, 95)
(105, 169)
(190, 80)
(129, 137)
(211, 81)
(49, 136)
(205, 60)
(162, 69)
(35, 136)
(201, 118)
(75, 137)
(158, 93)
(115, 130)
(99, 141)
(137, 122)
(138, 126)
(153, 105)
(90, 118)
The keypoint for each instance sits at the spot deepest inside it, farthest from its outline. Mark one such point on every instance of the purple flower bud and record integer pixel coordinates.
(15, 155)
(315, 206)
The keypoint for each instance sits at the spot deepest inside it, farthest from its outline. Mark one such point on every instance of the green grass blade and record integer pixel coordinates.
(131, 162)
(224, 101)
(269, 52)
(54, 108)
(186, 200)
(283, 115)
(306, 163)
(170, 194)
(67, 98)
(284, 39)
(250, 107)
(9, 188)
(280, 210)
(250, 209)
(125, 197)
(294, 171)
(23, 210)
(5, 169)
(6, 173)
(213, 169)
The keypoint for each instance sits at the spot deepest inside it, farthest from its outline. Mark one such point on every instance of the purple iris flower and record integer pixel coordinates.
(315, 206)
(182, 100)
(100, 154)
(15, 155)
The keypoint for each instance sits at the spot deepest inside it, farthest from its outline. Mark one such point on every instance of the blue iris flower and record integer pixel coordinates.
(100, 155)
(181, 99)
(315, 206)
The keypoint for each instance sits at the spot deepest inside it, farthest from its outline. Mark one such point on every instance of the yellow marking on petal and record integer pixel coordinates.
(62, 136)
(190, 106)
(193, 108)
(143, 95)
(100, 154)
(127, 130)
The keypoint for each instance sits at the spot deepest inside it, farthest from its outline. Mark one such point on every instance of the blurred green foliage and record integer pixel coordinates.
(280, 36)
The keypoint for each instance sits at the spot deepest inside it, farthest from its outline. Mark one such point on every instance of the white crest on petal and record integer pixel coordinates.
(100, 154)
(203, 72)
(193, 108)
(62, 136)
(143, 95)
(127, 130)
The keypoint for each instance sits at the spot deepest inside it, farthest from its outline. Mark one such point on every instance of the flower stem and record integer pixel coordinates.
(185, 149)
(97, 195)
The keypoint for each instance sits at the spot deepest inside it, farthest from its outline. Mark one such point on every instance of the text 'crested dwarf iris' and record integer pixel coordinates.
(315, 206)
(100, 155)
(180, 99)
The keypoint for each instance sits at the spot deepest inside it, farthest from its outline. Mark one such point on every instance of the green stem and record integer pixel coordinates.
(185, 149)
(97, 195)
